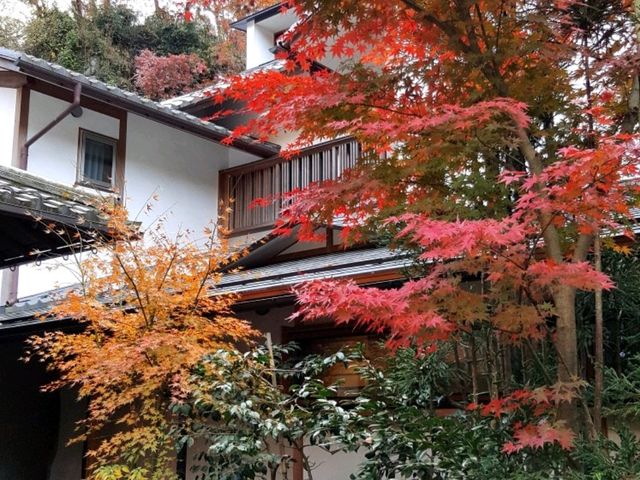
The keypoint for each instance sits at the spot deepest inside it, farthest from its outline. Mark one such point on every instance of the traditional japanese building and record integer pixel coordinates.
(68, 139)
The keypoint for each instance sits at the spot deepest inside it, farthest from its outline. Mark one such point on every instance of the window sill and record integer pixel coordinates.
(94, 189)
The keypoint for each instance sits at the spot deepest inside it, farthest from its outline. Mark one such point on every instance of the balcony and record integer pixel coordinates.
(277, 176)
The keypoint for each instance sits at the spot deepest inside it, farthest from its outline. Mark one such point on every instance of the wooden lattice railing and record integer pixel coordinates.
(273, 177)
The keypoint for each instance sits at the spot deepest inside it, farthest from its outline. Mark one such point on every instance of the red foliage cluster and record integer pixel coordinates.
(161, 77)
(442, 89)
(538, 402)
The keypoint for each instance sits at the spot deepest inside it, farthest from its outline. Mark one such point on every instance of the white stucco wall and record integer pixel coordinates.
(338, 466)
(55, 156)
(238, 157)
(180, 168)
(259, 41)
(284, 139)
(8, 98)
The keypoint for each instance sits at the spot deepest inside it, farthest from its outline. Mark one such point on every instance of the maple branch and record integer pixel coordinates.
(140, 267)
(447, 28)
(498, 150)
(483, 30)
(382, 107)
(499, 27)
(168, 269)
(69, 241)
(135, 288)
(534, 248)
(208, 271)
(485, 36)
(413, 5)
(508, 259)
(146, 355)
(533, 302)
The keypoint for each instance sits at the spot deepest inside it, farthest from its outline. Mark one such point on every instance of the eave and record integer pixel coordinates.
(100, 91)
(258, 16)
(42, 219)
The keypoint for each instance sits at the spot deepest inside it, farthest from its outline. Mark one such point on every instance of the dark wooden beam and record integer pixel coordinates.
(66, 95)
(121, 155)
(12, 79)
(22, 127)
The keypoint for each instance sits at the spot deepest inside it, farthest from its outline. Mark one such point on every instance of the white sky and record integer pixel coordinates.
(17, 9)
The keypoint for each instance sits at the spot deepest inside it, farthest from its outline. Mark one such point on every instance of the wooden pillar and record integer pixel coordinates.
(9, 284)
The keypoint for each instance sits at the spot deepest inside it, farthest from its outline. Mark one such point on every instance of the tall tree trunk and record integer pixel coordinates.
(473, 357)
(599, 347)
(567, 347)
(78, 9)
(632, 114)
(564, 296)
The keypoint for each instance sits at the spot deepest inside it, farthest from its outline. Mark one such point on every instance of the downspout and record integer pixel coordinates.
(73, 109)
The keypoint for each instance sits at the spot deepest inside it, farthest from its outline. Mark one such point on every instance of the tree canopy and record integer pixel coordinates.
(500, 149)
(499, 140)
(107, 39)
(147, 313)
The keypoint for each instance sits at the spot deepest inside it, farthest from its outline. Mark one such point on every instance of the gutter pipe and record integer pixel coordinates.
(73, 109)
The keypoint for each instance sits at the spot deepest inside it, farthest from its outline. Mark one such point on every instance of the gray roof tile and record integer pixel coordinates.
(192, 98)
(335, 265)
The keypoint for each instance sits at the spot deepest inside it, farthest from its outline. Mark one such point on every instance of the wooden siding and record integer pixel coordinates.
(274, 178)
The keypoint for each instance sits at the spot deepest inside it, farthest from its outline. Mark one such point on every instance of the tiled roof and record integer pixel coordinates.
(29, 203)
(23, 312)
(262, 14)
(192, 98)
(335, 265)
(25, 191)
(39, 68)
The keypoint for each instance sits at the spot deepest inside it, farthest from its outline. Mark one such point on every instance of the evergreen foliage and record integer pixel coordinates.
(106, 40)
(397, 420)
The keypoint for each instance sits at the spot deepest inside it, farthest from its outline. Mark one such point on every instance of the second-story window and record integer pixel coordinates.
(96, 160)
(277, 37)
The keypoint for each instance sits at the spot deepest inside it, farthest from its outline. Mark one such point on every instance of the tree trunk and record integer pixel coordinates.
(599, 348)
(567, 347)
(474, 368)
(78, 9)
(564, 296)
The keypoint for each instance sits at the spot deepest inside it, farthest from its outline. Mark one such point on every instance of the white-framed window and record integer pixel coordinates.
(96, 160)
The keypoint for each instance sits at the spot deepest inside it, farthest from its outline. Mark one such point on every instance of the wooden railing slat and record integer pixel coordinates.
(273, 178)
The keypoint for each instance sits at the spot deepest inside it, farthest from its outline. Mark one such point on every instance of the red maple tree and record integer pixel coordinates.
(499, 143)
(161, 77)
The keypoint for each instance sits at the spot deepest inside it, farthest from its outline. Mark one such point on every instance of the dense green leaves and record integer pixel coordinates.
(105, 41)
(397, 422)
(240, 416)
